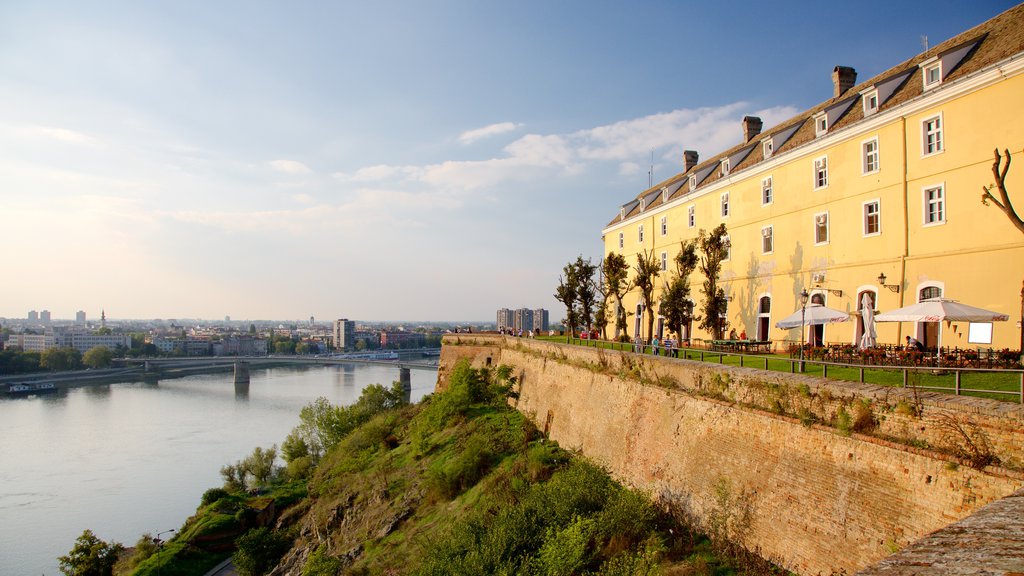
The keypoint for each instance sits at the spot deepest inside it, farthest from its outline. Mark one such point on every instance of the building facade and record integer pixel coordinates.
(83, 342)
(344, 334)
(540, 320)
(875, 192)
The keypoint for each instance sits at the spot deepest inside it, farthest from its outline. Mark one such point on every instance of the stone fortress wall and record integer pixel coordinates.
(762, 450)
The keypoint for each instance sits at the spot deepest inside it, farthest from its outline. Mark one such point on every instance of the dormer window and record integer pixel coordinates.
(664, 195)
(643, 204)
(820, 124)
(725, 166)
(622, 213)
(871, 102)
(693, 182)
(767, 148)
(931, 72)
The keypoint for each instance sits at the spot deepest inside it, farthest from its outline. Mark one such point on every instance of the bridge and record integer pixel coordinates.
(419, 359)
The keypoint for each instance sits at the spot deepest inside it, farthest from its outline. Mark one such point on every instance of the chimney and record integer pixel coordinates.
(751, 127)
(843, 78)
(689, 159)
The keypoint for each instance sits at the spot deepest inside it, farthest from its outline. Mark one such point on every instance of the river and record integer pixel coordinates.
(125, 459)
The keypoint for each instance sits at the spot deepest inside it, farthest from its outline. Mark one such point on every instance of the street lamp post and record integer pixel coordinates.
(160, 546)
(803, 318)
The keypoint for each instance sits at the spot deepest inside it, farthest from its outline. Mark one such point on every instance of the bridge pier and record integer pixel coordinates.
(405, 378)
(241, 372)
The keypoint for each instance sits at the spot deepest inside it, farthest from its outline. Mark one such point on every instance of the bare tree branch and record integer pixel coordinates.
(999, 171)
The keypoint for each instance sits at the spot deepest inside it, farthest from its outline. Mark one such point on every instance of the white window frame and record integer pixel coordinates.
(693, 182)
(820, 125)
(640, 233)
(725, 166)
(664, 225)
(622, 240)
(870, 101)
(817, 217)
(691, 216)
(866, 157)
(767, 148)
(927, 203)
(821, 172)
(767, 240)
(932, 65)
(878, 217)
(664, 261)
(939, 143)
(767, 191)
(725, 204)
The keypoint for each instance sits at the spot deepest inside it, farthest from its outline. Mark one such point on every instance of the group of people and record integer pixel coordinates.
(657, 345)
(742, 336)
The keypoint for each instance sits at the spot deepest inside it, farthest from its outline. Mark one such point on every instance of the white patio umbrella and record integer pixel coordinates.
(938, 309)
(813, 315)
(867, 313)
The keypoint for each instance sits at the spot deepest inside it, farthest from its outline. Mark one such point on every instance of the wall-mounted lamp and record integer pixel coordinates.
(893, 287)
(831, 291)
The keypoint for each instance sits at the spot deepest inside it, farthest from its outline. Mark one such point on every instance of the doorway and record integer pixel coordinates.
(817, 331)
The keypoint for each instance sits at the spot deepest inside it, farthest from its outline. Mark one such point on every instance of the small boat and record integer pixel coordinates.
(30, 389)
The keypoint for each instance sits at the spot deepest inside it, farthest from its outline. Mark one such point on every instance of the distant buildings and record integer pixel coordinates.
(344, 334)
(33, 316)
(80, 317)
(522, 319)
(392, 339)
(83, 342)
(44, 316)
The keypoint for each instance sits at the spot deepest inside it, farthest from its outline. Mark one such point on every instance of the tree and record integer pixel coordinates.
(646, 271)
(90, 556)
(714, 247)
(63, 358)
(98, 357)
(616, 281)
(586, 290)
(999, 172)
(675, 305)
(566, 294)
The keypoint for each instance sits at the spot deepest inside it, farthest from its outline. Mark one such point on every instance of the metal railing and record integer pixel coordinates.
(797, 366)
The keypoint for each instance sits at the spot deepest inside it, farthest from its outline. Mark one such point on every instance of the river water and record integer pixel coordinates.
(125, 459)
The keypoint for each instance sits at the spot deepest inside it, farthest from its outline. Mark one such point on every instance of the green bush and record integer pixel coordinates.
(259, 550)
(844, 422)
(320, 563)
(568, 550)
(212, 495)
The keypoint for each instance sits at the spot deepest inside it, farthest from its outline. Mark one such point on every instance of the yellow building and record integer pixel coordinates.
(884, 178)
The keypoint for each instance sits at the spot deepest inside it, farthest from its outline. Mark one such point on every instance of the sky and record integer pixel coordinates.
(391, 161)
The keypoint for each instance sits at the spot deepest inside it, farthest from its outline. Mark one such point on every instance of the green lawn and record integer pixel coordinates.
(1006, 384)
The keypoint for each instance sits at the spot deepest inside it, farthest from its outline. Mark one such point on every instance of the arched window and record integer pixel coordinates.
(765, 305)
(930, 292)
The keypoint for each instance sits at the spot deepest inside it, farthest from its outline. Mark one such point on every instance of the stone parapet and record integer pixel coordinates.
(763, 448)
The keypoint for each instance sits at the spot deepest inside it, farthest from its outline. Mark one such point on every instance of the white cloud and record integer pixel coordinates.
(536, 157)
(290, 167)
(470, 136)
(65, 135)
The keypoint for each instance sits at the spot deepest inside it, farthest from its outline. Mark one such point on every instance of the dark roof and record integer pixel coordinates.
(976, 49)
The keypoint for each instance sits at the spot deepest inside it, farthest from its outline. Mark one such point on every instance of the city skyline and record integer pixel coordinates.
(395, 162)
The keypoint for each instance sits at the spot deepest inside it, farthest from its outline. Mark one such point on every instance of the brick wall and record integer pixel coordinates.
(714, 442)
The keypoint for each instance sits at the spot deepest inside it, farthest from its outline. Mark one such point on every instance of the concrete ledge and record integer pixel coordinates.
(989, 542)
